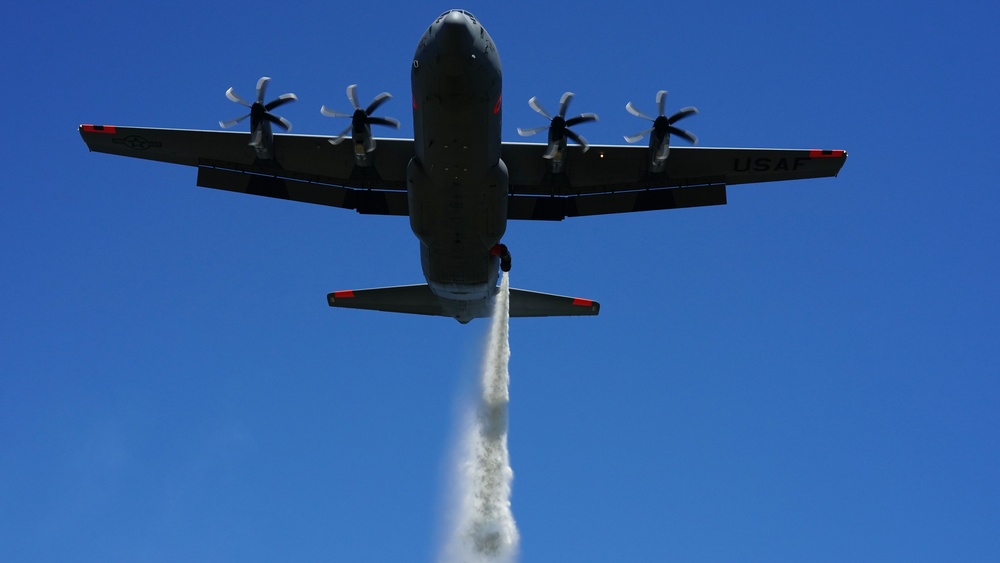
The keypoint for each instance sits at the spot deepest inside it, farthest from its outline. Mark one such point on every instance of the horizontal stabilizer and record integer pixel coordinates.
(525, 303)
(420, 300)
(413, 299)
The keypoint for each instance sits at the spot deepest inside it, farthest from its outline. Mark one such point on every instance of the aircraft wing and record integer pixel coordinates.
(616, 179)
(305, 168)
(606, 179)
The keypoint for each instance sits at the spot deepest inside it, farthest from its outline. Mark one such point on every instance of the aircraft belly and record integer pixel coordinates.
(458, 220)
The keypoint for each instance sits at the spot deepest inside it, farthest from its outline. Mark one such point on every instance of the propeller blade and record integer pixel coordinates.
(261, 87)
(378, 101)
(532, 131)
(579, 140)
(564, 103)
(279, 121)
(332, 113)
(256, 138)
(550, 152)
(388, 121)
(632, 109)
(339, 138)
(638, 136)
(352, 94)
(232, 122)
(533, 102)
(686, 135)
(280, 101)
(231, 94)
(690, 110)
(582, 118)
(663, 152)
(661, 100)
(258, 134)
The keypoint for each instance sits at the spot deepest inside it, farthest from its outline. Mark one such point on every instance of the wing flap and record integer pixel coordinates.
(363, 201)
(547, 208)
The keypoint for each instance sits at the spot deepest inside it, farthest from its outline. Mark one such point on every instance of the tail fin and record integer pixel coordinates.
(420, 300)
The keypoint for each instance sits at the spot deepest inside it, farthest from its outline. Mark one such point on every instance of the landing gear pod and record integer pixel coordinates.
(504, 254)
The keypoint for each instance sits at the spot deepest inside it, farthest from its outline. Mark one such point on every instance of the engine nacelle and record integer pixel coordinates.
(659, 150)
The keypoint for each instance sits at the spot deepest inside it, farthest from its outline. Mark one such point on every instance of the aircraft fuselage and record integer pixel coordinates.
(457, 183)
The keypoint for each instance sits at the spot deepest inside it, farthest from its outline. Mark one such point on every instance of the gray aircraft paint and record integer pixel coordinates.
(456, 181)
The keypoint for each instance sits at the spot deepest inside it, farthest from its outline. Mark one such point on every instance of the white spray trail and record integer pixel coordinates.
(484, 529)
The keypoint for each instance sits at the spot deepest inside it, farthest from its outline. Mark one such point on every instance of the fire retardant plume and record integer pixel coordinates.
(483, 528)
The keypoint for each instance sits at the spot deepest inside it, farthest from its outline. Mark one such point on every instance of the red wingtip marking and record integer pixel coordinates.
(99, 129)
(816, 153)
(496, 108)
(347, 294)
(583, 302)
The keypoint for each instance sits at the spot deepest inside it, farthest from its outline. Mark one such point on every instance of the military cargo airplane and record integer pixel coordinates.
(456, 180)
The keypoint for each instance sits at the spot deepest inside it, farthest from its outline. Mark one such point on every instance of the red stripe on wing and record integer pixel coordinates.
(816, 153)
(110, 129)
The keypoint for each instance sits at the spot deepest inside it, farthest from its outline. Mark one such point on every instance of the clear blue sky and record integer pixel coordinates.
(809, 373)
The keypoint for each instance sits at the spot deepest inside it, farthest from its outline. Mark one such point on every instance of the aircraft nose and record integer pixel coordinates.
(454, 40)
(455, 26)
(456, 17)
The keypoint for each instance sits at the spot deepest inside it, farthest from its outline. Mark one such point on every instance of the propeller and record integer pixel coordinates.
(259, 111)
(362, 118)
(559, 126)
(663, 125)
